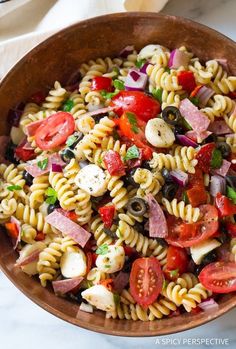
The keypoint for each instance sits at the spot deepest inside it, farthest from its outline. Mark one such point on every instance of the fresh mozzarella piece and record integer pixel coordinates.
(92, 179)
(16, 135)
(100, 297)
(199, 251)
(159, 134)
(112, 261)
(148, 51)
(28, 250)
(73, 263)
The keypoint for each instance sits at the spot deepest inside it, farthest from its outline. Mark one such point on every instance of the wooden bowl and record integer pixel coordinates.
(59, 57)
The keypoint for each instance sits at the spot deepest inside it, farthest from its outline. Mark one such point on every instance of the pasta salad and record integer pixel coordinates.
(118, 190)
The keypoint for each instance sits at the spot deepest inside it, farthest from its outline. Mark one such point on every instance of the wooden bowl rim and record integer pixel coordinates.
(230, 304)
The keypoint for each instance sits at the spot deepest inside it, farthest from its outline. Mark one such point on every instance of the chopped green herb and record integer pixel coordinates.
(103, 249)
(51, 196)
(68, 105)
(185, 124)
(185, 198)
(157, 94)
(231, 194)
(167, 69)
(116, 298)
(99, 161)
(71, 140)
(133, 122)
(107, 265)
(14, 187)
(109, 95)
(174, 273)
(216, 159)
(132, 153)
(116, 70)
(43, 164)
(194, 100)
(119, 85)
(140, 62)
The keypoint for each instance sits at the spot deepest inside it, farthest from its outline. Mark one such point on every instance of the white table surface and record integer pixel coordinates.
(23, 325)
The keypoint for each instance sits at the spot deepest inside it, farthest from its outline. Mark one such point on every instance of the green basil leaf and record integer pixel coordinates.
(140, 62)
(185, 124)
(103, 249)
(117, 71)
(14, 187)
(231, 194)
(71, 140)
(51, 200)
(133, 122)
(185, 197)
(157, 94)
(194, 100)
(118, 84)
(167, 69)
(216, 159)
(68, 105)
(51, 192)
(43, 164)
(109, 95)
(174, 273)
(132, 153)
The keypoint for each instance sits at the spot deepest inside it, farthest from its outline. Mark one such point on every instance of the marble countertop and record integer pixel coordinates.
(23, 325)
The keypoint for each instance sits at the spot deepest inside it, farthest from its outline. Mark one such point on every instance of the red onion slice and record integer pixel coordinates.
(56, 168)
(178, 58)
(217, 185)
(135, 75)
(184, 140)
(126, 51)
(209, 304)
(135, 85)
(179, 177)
(143, 69)
(203, 95)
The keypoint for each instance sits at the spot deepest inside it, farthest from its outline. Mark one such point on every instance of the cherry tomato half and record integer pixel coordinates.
(204, 157)
(55, 130)
(186, 80)
(224, 205)
(177, 258)
(137, 102)
(146, 280)
(219, 277)
(188, 234)
(113, 163)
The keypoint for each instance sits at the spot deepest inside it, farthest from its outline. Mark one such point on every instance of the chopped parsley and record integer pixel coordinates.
(109, 95)
(14, 187)
(174, 273)
(231, 194)
(71, 140)
(68, 105)
(133, 122)
(51, 196)
(119, 85)
(132, 153)
(140, 62)
(116, 70)
(194, 100)
(107, 265)
(43, 164)
(103, 249)
(167, 69)
(157, 94)
(216, 159)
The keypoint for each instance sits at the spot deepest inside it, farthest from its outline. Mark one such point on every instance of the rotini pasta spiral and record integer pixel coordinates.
(117, 191)
(194, 296)
(201, 74)
(174, 292)
(221, 82)
(7, 208)
(97, 228)
(63, 189)
(83, 207)
(95, 276)
(159, 78)
(148, 183)
(28, 233)
(187, 280)
(159, 161)
(184, 152)
(12, 175)
(70, 171)
(231, 121)
(56, 97)
(181, 210)
(38, 189)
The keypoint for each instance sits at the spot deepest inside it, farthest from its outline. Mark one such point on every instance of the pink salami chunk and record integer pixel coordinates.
(196, 119)
(157, 221)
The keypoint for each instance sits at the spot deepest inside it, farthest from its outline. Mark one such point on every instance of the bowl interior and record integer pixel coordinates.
(58, 58)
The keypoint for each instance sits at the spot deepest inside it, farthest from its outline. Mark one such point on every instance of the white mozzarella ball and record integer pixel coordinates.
(159, 134)
(92, 179)
(100, 297)
(73, 263)
(112, 261)
(16, 135)
(148, 51)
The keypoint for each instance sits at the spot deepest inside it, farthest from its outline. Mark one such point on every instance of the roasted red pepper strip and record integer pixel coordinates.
(100, 83)
(107, 214)
(186, 80)
(224, 205)
(113, 163)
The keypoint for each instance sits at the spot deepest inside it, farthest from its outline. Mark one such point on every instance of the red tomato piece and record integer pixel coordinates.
(113, 163)
(219, 277)
(146, 280)
(183, 234)
(196, 191)
(224, 205)
(107, 214)
(232, 95)
(177, 258)
(204, 157)
(186, 80)
(137, 102)
(24, 154)
(231, 227)
(40, 236)
(129, 251)
(55, 130)
(12, 230)
(133, 130)
(38, 97)
(100, 83)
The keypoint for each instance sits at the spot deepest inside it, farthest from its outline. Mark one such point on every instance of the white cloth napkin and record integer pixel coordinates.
(38, 19)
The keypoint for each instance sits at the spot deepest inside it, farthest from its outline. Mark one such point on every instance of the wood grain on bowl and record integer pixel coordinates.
(58, 58)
